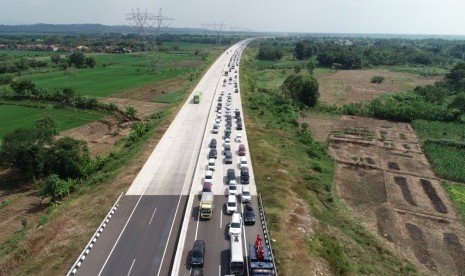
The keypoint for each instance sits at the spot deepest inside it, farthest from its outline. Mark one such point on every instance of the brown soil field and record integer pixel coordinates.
(351, 86)
(387, 182)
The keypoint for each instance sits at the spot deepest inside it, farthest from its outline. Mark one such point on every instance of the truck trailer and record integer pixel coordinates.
(260, 260)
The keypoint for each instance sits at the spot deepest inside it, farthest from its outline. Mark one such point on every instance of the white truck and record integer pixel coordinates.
(206, 205)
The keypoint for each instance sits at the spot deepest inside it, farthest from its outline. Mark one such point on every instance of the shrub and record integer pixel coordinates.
(377, 79)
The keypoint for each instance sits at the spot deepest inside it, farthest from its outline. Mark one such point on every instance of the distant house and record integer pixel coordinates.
(82, 48)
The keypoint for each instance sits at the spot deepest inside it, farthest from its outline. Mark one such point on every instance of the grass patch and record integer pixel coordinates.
(14, 117)
(457, 194)
(447, 161)
(170, 97)
(106, 81)
(12, 242)
(331, 250)
(439, 130)
(5, 203)
(444, 147)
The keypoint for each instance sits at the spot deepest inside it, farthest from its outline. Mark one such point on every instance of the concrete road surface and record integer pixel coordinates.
(215, 231)
(142, 236)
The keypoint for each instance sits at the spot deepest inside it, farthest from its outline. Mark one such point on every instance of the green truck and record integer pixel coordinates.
(197, 96)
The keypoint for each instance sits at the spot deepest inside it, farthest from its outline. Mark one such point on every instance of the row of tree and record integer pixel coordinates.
(359, 53)
(77, 59)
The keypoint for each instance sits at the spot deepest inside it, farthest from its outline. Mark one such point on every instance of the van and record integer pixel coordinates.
(245, 195)
(230, 175)
(231, 206)
(241, 150)
(245, 176)
(228, 157)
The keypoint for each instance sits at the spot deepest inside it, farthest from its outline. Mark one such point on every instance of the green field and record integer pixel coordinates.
(13, 117)
(115, 73)
(448, 161)
(170, 97)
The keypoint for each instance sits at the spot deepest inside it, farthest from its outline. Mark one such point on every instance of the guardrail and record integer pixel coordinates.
(72, 271)
(266, 234)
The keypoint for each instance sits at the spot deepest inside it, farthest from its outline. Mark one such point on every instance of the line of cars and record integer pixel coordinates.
(224, 110)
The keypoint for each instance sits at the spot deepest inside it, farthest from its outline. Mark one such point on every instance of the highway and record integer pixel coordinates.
(142, 236)
(215, 231)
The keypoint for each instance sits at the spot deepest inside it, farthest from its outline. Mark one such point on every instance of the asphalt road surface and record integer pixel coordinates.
(142, 236)
(215, 231)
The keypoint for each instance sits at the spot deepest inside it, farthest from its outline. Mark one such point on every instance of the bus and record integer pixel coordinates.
(237, 256)
(197, 96)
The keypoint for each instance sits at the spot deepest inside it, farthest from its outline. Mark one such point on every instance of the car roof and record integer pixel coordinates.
(231, 198)
(236, 217)
(199, 242)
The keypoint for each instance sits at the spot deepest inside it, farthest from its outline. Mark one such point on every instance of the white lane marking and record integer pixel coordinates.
(155, 210)
(129, 272)
(221, 220)
(219, 270)
(117, 240)
(198, 221)
(169, 235)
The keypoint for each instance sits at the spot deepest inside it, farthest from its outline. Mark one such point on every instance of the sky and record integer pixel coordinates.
(314, 16)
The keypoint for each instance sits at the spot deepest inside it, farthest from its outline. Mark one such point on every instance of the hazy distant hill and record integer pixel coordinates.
(77, 29)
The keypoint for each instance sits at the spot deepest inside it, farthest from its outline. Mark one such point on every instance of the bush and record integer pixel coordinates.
(6, 78)
(301, 89)
(377, 79)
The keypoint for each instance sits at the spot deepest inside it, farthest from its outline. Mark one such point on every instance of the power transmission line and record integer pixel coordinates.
(148, 26)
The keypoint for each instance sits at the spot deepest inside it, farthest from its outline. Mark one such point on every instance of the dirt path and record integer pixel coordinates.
(383, 176)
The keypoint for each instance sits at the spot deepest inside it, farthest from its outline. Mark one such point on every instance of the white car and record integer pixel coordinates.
(217, 121)
(231, 206)
(232, 188)
(227, 143)
(235, 226)
(243, 163)
(239, 138)
(246, 196)
(208, 176)
(211, 164)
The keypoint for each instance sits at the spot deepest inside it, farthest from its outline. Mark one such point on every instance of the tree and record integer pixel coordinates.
(55, 58)
(90, 62)
(311, 65)
(77, 59)
(303, 50)
(46, 129)
(24, 87)
(270, 53)
(302, 89)
(66, 156)
(54, 187)
(459, 102)
(19, 149)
